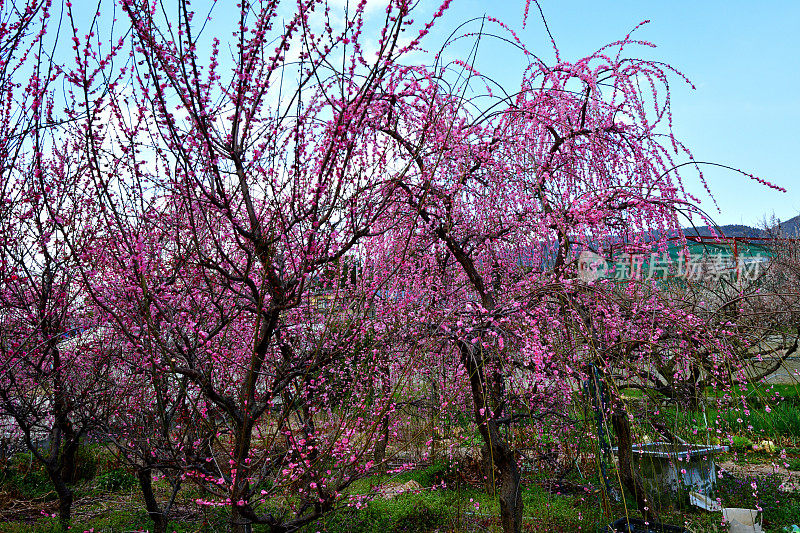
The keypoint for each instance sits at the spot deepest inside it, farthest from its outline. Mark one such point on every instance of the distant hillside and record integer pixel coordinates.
(788, 228)
(730, 230)
(791, 228)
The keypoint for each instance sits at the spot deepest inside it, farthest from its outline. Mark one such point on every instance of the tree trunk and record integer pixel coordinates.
(695, 390)
(630, 479)
(158, 517)
(503, 478)
(380, 446)
(383, 428)
(65, 497)
(62, 456)
(503, 474)
(239, 522)
(435, 421)
(69, 466)
(507, 486)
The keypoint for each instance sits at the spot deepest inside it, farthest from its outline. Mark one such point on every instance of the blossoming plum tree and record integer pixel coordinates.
(284, 232)
(506, 194)
(232, 198)
(52, 375)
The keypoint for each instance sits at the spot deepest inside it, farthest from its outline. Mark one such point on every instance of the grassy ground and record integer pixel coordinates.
(108, 500)
(459, 509)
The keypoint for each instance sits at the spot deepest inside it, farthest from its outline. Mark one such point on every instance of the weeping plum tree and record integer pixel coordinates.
(504, 194)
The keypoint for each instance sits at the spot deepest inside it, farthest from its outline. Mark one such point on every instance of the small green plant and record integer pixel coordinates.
(86, 462)
(23, 476)
(741, 444)
(114, 480)
(436, 473)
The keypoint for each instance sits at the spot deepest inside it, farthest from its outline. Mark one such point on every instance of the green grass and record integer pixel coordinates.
(42, 525)
(407, 512)
(458, 507)
(23, 477)
(466, 509)
(782, 420)
(115, 480)
(778, 421)
(124, 521)
(762, 394)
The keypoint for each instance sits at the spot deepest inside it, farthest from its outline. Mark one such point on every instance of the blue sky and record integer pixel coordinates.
(744, 59)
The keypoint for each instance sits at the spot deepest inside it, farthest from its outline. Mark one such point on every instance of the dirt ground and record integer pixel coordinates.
(791, 478)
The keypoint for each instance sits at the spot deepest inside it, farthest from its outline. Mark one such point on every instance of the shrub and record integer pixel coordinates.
(409, 513)
(740, 444)
(115, 480)
(436, 473)
(405, 513)
(25, 477)
(86, 462)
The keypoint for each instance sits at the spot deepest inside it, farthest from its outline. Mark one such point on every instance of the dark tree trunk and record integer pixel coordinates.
(435, 410)
(69, 470)
(65, 497)
(506, 484)
(158, 516)
(695, 390)
(380, 446)
(63, 445)
(628, 476)
(383, 427)
(244, 421)
(62, 456)
(503, 474)
(240, 523)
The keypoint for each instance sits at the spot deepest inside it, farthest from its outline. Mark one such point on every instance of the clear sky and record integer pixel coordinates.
(742, 55)
(744, 59)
